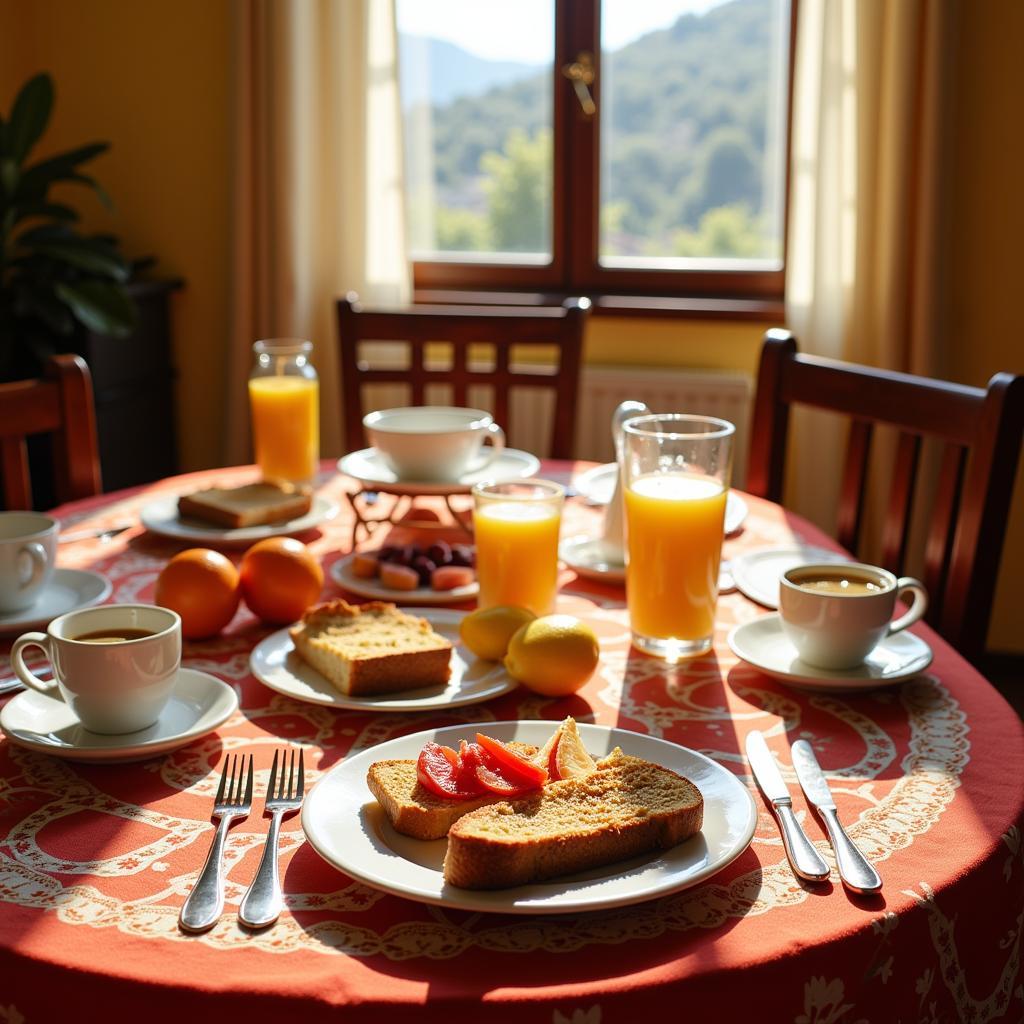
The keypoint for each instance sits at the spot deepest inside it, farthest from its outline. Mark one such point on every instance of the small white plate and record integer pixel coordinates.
(199, 703)
(369, 469)
(275, 662)
(757, 573)
(597, 485)
(348, 828)
(161, 516)
(763, 644)
(67, 590)
(592, 558)
(342, 574)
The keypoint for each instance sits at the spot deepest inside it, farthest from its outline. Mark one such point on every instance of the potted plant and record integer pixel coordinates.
(55, 280)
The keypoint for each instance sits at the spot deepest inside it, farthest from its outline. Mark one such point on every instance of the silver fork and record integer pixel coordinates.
(205, 903)
(263, 902)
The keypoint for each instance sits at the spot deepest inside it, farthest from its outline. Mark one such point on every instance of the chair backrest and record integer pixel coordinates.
(61, 404)
(980, 430)
(500, 327)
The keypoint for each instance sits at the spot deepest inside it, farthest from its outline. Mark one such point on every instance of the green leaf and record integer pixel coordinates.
(99, 260)
(102, 307)
(61, 167)
(29, 115)
(45, 233)
(8, 175)
(38, 208)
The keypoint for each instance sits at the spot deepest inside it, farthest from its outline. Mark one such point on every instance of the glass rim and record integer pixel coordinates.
(724, 427)
(555, 490)
(282, 346)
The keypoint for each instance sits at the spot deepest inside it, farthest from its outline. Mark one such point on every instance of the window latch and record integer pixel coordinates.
(581, 73)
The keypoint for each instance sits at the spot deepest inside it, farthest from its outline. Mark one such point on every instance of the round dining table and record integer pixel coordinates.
(96, 860)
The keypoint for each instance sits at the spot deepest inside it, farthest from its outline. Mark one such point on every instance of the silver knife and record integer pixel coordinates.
(804, 858)
(857, 874)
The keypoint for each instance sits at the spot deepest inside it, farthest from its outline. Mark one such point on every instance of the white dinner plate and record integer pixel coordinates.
(342, 574)
(370, 470)
(275, 662)
(763, 644)
(198, 704)
(757, 573)
(67, 590)
(597, 485)
(592, 558)
(161, 516)
(348, 828)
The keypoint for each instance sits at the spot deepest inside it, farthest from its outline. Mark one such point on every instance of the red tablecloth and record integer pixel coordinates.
(95, 861)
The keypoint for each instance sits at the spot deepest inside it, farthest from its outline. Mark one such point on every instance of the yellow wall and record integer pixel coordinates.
(153, 77)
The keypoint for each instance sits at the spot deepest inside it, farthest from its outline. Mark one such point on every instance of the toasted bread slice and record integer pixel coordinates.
(251, 505)
(628, 806)
(372, 648)
(415, 811)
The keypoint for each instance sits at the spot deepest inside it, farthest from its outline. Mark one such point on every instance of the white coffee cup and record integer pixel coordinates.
(433, 443)
(28, 552)
(836, 614)
(113, 686)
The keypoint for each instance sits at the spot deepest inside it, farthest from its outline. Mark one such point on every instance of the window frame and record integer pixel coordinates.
(574, 267)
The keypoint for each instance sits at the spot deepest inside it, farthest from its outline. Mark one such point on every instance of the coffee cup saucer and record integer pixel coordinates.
(762, 644)
(368, 467)
(198, 704)
(593, 558)
(67, 591)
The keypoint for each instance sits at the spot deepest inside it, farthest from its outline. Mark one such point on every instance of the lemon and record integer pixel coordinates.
(553, 655)
(487, 632)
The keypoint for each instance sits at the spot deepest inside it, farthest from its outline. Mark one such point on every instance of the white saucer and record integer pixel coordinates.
(757, 573)
(342, 574)
(592, 558)
(161, 516)
(275, 663)
(369, 469)
(348, 828)
(67, 590)
(762, 643)
(199, 704)
(597, 485)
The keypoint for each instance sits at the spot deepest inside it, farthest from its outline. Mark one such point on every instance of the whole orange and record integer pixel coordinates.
(280, 579)
(202, 587)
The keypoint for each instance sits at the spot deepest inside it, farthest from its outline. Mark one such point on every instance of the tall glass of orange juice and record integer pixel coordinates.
(675, 477)
(284, 400)
(516, 532)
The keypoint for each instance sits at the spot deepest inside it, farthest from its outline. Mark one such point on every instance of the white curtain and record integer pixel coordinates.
(318, 197)
(865, 265)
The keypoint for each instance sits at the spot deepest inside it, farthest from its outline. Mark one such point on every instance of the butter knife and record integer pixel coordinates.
(855, 871)
(804, 858)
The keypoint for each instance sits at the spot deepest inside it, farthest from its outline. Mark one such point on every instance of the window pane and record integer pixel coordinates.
(693, 133)
(476, 99)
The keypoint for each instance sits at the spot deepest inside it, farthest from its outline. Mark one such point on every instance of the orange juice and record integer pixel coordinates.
(286, 426)
(517, 554)
(674, 524)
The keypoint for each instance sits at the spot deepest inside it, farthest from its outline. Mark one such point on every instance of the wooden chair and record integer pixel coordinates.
(60, 404)
(981, 431)
(500, 327)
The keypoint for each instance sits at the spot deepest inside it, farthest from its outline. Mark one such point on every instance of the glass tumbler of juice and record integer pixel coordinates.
(675, 476)
(516, 532)
(284, 400)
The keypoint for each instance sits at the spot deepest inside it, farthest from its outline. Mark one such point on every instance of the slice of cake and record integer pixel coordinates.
(250, 505)
(372, 648)
(626, 807)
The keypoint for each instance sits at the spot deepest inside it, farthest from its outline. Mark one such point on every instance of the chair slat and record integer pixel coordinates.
(851, 495)
(939, 542)
(896, 526)
(17, 487)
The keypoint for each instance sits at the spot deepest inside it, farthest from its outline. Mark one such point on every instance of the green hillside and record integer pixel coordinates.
(685, 118)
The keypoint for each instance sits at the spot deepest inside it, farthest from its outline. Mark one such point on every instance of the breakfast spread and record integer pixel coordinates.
(515, 814)
(372, 648)
(440, 566)
(256, 504)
